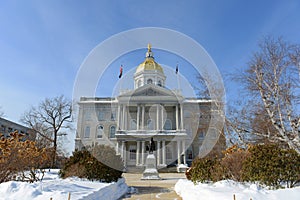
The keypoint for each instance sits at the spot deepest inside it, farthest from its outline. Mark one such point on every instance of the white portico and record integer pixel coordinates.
(151, 110)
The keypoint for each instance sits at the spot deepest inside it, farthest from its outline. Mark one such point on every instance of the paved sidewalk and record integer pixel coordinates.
(153, 189)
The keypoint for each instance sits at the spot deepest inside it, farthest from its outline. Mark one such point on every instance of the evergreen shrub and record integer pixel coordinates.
(271, 165)
(267, 164)
(84, 164)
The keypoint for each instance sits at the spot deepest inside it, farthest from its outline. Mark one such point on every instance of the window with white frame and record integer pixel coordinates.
(132, 124)
(87, 132)
(168, 124)
(201, 135)
(100, 130)
(159, 83)
(139, 84)
(112, 132)
(150, 124)
(101, 115)
(149, 81)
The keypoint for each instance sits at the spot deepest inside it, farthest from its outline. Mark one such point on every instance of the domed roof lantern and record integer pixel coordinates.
(149, 63)
(149, 72)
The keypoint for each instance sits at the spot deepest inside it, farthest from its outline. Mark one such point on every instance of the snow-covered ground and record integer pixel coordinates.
(58, 189)
(225, 189)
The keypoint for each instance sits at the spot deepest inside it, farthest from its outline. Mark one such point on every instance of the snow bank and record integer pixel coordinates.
(58, 189)
(225, 189)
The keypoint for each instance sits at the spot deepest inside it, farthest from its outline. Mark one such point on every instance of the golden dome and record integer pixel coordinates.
(149, 63)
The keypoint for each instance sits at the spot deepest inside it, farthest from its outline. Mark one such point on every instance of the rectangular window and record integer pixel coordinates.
(201, 135)
(168, 153)
(3, 128)
(113, 116)
(87, 132)
(101, 115)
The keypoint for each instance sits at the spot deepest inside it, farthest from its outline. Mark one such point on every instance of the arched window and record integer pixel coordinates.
(139, 83)
(87, 132)
(159, 83)
(150, 124)
(112, 132)
(100, 130)
(132, 124)
(149, 81)
(168, 125)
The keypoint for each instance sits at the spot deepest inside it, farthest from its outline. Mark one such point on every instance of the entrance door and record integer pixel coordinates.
(131, 156)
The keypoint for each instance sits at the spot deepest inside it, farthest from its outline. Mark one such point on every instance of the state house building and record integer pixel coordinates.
(177, 124)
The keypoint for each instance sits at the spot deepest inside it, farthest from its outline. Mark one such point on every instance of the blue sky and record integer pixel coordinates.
(43, 43)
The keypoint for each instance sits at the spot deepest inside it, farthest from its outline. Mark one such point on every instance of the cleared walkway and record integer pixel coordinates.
(153, 189)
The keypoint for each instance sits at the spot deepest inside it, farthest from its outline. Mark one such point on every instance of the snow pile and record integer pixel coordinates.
(58, 189)
(226, 189)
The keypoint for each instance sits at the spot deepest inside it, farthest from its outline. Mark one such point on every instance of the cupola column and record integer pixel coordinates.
(143, 117)
(181, 116)
(138, 118)
(157, 117)
(176, 115)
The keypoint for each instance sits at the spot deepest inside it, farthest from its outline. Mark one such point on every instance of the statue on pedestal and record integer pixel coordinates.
(151, 147)
(151, 172)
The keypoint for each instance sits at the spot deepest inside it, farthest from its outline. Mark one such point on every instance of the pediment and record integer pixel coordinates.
(152, 91)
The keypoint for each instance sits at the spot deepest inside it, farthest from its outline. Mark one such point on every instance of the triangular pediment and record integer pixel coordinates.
(150, 90)
(150, 93)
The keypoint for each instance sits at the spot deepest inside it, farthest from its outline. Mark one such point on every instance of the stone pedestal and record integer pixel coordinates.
(150, 172)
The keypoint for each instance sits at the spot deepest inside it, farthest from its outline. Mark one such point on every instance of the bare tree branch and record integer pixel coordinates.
(48, 119)
(271, 81)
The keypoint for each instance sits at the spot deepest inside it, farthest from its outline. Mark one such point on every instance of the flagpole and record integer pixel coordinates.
(120, 78)
(178, 81)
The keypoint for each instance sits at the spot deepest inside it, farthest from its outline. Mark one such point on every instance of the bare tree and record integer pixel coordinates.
(48, 119)
(210, 87)
(273, 89)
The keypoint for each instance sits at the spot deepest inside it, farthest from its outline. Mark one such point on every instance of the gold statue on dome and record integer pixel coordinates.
(149, 47)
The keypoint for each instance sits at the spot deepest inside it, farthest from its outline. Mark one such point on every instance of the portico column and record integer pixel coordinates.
(158, 152)
(117, 148)
(123, 117)
(176, 116)
(181, 116)
(143, 117)
(143, 152)
(122, 150)
(178, 152)
(183, 152)
(138, 118)
(162, 117)
(137, 152)
(125, 156)
(119, 116)
(126, 117)
(157, 117)
(164, 152)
